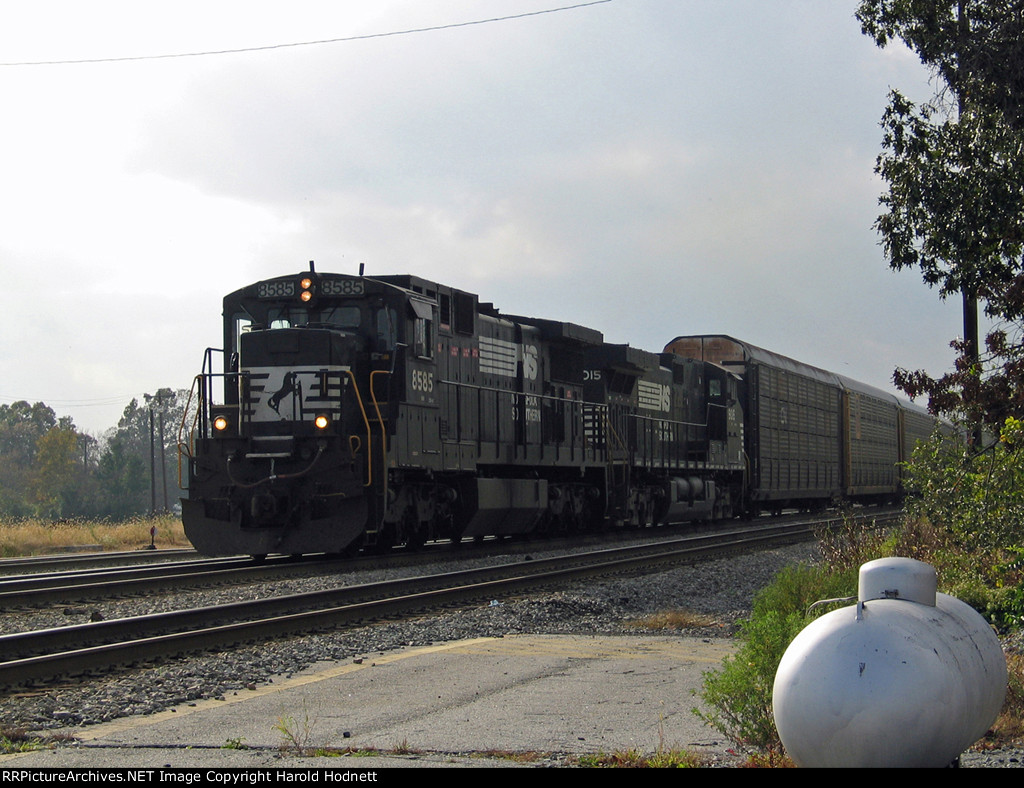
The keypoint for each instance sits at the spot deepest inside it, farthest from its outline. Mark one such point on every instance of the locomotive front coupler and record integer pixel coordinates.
(273, 476)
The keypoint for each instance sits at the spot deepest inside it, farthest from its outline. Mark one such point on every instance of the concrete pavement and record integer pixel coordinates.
(467, 703)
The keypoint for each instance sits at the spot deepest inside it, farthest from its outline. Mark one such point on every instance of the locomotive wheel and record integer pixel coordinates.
(414, 532)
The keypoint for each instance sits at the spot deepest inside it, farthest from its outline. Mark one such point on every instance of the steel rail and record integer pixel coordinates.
(38, 590)
(78, 561)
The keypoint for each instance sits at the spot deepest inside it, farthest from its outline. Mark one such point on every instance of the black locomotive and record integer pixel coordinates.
(358, 411)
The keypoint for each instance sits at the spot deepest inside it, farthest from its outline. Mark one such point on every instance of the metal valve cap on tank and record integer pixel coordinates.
(907, 677)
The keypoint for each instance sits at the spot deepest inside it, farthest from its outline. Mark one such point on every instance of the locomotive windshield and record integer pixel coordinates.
(329, 317)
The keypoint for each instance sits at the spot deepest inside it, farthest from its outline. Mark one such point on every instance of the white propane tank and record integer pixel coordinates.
(907, 677)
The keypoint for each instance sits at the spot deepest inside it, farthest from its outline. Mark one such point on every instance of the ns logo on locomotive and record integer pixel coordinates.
(350, 411)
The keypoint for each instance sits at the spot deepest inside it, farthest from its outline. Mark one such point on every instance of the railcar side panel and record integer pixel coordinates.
(796, 423)
(917, 425)
(872, 444)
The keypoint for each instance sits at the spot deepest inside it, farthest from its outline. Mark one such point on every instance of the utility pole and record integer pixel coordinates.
(163, 457)
(152, 466)
(972, 344)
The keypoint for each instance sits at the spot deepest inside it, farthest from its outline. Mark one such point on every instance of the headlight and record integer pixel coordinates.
(220, 423)
(322, 422)
(307, 289)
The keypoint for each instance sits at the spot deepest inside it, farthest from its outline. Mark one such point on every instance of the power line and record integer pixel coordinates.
(304, 43)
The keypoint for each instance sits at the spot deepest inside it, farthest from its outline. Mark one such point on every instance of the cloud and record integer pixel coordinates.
(646, 168)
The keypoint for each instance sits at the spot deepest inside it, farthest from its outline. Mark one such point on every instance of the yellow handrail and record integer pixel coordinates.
(369, 437)
(380, 418)
(187, 449)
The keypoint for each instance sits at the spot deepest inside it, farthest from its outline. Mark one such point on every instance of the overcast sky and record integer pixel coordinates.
(648, 168)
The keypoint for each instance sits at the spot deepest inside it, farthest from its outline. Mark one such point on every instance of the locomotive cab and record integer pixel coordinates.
(282, 464)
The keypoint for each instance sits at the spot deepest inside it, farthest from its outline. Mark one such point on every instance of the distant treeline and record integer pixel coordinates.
(50, 470)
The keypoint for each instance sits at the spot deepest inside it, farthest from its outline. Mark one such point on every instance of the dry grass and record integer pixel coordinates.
(1009, 725)
(526, 756)
(14, 740)
(672, 620)
(672, 758)
(39, 537)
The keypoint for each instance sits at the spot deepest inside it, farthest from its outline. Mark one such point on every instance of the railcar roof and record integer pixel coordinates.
(770, 358)
(871, 391)
(761, 356)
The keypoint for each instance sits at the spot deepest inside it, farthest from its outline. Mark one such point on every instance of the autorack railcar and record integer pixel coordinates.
(814, 438)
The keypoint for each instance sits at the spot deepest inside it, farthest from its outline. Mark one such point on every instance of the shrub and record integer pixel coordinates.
(978, 496)
(967, 520)
(738, 698)
(739, 695)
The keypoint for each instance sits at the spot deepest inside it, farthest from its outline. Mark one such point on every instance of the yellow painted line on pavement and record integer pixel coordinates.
(93, 732)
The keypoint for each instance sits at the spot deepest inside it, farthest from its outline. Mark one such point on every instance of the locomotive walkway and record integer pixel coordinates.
(463, 704)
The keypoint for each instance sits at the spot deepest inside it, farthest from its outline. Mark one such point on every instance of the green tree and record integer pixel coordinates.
(123, 477)
(55, 478)
(143, 447)
(955, 173)
(47, 467)
(21, 426)
(975, 46)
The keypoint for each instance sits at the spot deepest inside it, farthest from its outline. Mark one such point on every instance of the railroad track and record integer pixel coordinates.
(35, 590)
(39, 590)
(101, 646)
(80, 561)
(60, 584)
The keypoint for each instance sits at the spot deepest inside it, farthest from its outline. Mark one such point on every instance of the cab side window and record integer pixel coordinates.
(423, 340)
(423, 328)
(387, 321)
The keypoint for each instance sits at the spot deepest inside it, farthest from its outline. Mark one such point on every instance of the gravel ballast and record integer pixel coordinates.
(720, 591)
